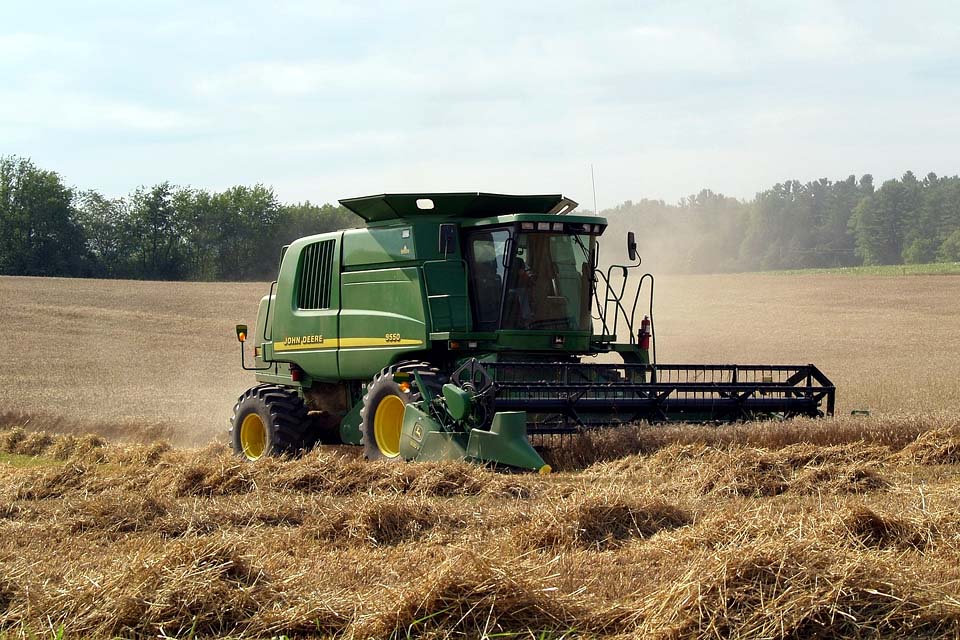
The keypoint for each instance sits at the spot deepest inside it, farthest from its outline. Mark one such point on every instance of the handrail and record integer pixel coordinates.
(615, 296)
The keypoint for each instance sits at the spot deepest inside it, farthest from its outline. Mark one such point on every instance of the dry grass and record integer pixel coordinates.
(698, 538)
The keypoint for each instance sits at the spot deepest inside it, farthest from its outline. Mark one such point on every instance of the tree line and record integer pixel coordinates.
(169, 232)
(795, 225)
(164, 232)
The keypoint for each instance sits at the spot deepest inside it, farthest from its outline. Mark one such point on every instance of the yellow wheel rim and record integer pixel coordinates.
(387, 424)
(253, 436)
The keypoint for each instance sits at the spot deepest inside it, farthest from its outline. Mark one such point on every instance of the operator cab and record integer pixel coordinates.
(522, 264)
(532, 276)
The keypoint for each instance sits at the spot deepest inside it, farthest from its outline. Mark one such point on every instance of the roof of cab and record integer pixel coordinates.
(388, 206)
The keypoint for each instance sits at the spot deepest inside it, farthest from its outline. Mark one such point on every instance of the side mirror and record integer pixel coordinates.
(448, 239)
(632, 245)
(242, 332)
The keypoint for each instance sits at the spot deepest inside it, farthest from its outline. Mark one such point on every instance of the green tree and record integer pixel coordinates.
(39, 233)
(879, 221)
(950, 249)
(107, 231)
(247, 244)
(780, 227)
(834, 242)
(938, 217)
(157, 234)
(201, 217)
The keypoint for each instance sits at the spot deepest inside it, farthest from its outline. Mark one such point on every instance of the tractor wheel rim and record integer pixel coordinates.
(387, 425)
(253, 436)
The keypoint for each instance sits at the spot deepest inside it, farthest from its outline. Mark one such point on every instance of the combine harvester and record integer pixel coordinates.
(455, 325)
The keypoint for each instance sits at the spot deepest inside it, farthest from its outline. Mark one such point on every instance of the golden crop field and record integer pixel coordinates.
(160, 359)
(832, 528)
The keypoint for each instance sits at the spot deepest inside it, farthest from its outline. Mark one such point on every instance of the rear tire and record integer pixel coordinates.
(269, 421)
(381, 418)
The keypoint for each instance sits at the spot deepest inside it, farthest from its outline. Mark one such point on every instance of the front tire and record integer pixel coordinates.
(381, 418)
(269, 420)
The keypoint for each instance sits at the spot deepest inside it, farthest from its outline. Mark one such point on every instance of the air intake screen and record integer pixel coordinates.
(316, 263)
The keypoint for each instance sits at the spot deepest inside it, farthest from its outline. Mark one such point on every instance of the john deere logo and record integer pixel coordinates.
(417, 432)
(405, 250)
(293, 341)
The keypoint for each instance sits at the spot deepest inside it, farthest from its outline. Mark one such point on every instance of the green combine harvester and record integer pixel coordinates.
(461, 325)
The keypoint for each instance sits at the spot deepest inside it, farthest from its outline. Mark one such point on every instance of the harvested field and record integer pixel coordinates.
(123, 514)
(684, 540)
(158, 360)
(132, 360)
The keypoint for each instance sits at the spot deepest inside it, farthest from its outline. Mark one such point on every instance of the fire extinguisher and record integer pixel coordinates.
(643, 340)
(643, 337)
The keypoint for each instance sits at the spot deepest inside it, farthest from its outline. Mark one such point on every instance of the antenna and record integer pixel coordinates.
(593, 182)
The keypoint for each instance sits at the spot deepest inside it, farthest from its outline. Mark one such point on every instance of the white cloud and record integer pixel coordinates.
(48, 110)
(301, 78)
(38, 50)
(20, 46)
(339, 98)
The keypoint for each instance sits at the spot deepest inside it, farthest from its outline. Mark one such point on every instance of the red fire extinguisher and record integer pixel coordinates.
(643, 337)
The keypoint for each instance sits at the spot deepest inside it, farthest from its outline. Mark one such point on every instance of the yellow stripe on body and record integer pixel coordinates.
(328, 343)
(377, 342)
(331, 343)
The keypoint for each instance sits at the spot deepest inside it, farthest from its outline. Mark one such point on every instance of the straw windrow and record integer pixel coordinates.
(715, 537)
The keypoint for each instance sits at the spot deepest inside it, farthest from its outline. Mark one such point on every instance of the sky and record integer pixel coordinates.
(325, 100)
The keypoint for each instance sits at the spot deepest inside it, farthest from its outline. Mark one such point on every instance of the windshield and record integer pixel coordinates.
(545, 284)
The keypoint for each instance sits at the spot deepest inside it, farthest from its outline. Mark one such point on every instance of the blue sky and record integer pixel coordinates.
(325, 100)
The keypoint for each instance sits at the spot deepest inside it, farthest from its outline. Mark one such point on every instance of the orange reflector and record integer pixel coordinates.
(242, 336)
(405, 387)
(453, 344)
